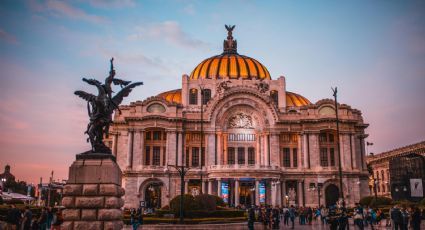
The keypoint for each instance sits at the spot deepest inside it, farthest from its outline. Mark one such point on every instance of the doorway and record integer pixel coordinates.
(331, 195)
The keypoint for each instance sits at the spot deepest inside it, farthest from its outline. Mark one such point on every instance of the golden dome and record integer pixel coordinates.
(230, 64)
(292, 99)
(173, 96)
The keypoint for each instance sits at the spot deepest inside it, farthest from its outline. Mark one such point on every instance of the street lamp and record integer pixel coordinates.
(341, 190)
(182, 170)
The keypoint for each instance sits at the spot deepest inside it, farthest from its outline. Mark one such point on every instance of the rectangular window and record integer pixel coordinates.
(148, 155)
(241, 155)
(332, 156)
(156, 135)
(148, 135)
(331, 137)
(251, 156)
(206, 96)
(203, 156)
(156, 155)
(286, 157)
(230, 155)
(324, 157)
(294, 157)
(195, 156)
(193, 96)
(163, 157)
(322, 138)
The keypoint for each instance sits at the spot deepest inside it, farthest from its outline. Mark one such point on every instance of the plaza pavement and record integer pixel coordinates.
(316, 225)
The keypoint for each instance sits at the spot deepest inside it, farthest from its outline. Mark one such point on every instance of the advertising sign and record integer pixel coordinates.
(225, 191)
(262, 192)
(416, 188)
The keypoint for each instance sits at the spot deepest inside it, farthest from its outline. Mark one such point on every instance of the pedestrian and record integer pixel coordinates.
(309, 215)
(416, 219)
(57, 220)
(358, 216)
(275, 219)
(49, 217)
(27, 218)
(405, 217)
(324, 215)
(292, 215)
(251, 219)
(286, 216)
(42, 220)
(396, 218)
(13, 217)
(343, 220)
(140, 216)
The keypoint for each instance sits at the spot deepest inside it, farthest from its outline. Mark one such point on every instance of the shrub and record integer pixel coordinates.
(219, 201)
(379, 201)
(188, 203)
(365, 201)
(422, 202)
(206, 202)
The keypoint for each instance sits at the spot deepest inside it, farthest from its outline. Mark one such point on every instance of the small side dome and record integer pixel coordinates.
(173, 96)
(296, 100)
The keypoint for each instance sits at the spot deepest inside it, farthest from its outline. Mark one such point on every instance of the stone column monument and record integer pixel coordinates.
(92, 194)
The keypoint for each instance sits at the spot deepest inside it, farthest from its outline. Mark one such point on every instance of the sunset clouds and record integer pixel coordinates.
(373, 51)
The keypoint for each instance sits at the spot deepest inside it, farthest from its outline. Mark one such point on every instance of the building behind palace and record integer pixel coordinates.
(382, 176)
(246, 137)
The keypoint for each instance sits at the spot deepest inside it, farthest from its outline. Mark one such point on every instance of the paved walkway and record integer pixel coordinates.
(316, 225)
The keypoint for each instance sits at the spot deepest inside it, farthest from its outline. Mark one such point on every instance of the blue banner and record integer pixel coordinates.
(262, 192)
(225, 191)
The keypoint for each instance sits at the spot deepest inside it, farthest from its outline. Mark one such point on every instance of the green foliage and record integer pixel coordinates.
(188, 203)
(157, 220)
(219, 201)
(422, 202)
(404, 203)
(380, 201)
(206, 202)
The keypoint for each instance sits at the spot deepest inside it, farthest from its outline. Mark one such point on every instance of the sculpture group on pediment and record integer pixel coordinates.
(241, 120)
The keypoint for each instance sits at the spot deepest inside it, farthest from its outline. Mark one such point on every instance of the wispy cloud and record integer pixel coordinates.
(171, 32)
(105, 4)
(189, 9)
(64, 9)
(8, 37)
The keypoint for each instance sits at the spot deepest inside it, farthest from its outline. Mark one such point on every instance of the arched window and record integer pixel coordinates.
(274, 96)
(206, 96)
(193, 96)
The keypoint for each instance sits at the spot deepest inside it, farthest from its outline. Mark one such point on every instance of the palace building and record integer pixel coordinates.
(244, 137)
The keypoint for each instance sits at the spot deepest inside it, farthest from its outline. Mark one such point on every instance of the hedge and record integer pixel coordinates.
(156, 220)
(379, 201)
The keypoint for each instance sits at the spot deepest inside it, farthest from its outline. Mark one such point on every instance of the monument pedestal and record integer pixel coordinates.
(92, 194)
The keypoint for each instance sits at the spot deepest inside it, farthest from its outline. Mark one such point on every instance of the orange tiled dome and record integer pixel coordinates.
(232, 66)
(292, 99)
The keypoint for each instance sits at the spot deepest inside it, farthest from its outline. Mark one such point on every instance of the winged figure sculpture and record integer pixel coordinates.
(100, 108)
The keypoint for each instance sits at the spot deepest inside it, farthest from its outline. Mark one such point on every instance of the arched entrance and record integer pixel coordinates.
(153, 195)
(331, 195)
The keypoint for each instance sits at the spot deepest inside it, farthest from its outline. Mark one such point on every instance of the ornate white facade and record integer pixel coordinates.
(261, 143)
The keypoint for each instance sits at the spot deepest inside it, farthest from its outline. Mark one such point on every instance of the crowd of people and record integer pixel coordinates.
(136, 217)
(336, 217)
(17, 219)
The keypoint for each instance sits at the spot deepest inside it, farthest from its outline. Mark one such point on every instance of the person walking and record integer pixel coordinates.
(49, 217)
(405, 218)
(140, 216)
(27, 218)
(292, 215)
(358, 216)
(42, 220)
(324, 215)
(416, 219)
(57, 220)
(396, 218)
(286, 216)
(13, 217)
(251, 219)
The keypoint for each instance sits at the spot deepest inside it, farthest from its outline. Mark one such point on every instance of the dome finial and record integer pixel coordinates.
(229, 45)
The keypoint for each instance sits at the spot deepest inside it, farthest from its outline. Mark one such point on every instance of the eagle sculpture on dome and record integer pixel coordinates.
(230, 45)
(101, 107)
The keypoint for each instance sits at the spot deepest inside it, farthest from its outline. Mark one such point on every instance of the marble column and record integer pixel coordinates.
(266, 150)
(219, 187)
(257, 151)
(283, 192)
(273, 193)
(167, 148)
(257, 192)
(115, 145)
(236, 192)
(186, 186)
(179, 150)
(142, 148)
(300, 193)
(130, 149)
(219, 149)
(210, 187)
(204, 189)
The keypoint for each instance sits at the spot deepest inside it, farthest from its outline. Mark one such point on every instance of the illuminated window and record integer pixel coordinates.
(206, 96)
(193, 96)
